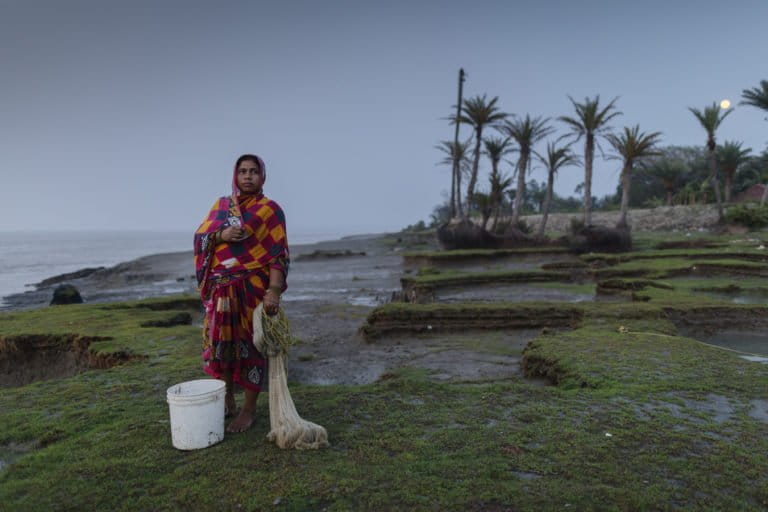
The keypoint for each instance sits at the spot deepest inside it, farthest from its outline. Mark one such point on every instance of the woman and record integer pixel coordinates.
(241, 259)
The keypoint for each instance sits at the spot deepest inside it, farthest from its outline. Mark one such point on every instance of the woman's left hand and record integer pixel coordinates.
(271, 301)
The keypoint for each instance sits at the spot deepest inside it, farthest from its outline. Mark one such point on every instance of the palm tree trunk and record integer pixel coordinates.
(495, 196)
(456, 178)
(625, 182)
(459, 208)
(547, 202)
(589, 153)
(522, 165)
(475, 165)
(669, 197)
(453, 190)
(715, 184)
(486, 215)
(728, 182)
(496, 213)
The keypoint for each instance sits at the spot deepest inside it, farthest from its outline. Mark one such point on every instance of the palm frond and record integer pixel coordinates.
(711, 117)
(590, 118)
(632, 144)
(558, 157)
(756, 96)
(478, 111)
(731, 155)
(527, 131)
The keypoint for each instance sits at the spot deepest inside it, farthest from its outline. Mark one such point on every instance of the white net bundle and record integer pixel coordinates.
(271, 335)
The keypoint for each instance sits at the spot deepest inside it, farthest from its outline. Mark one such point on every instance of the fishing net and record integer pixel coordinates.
(272, 337)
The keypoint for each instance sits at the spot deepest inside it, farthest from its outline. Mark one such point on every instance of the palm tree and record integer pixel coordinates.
(500, 184)
(630, 146)
(756, 96)
(590, 121)
(484, 205)
(478, 112)
(495, 149)
(526, 132)
(670, 172)
(730, 156)
(556, 158)
(455, 153)
(711, 118)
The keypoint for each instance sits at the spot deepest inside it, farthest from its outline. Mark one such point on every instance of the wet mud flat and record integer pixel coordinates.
(159, 275)
(329, 295)
(470, 355)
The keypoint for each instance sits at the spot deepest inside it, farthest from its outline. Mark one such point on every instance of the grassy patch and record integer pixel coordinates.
(466, 254)
(452, 278)
(642, 419)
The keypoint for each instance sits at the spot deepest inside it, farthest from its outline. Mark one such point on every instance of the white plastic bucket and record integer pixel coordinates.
(197, 413)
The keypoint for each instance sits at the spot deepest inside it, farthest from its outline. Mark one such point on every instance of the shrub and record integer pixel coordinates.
(749, 216)
(503, 226)
(419, 226)
(577, 224)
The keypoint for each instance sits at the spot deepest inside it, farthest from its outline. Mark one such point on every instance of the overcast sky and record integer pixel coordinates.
(130, 114)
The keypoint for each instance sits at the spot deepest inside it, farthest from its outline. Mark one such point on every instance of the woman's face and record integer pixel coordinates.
(249, 177)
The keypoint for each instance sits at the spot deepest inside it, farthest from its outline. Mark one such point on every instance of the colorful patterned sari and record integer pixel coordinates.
(232, 279)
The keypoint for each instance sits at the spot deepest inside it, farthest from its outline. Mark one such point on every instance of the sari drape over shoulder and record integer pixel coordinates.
(232, 278)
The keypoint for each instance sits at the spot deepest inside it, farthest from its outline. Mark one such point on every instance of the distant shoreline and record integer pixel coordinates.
(154, 274)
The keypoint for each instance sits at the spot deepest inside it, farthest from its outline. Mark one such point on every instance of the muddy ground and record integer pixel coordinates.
(327, 301)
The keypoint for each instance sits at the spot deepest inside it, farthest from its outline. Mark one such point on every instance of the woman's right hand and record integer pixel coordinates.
(232, 234)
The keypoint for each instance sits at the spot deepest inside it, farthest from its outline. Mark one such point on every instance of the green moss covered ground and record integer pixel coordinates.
(641, 418)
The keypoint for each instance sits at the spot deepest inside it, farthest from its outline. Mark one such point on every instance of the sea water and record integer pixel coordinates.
(28, 257)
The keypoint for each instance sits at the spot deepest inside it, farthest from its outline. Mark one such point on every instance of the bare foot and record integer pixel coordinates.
(230, 407)
(243, 421)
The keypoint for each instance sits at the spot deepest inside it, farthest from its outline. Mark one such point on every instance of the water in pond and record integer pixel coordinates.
(754, 342)
(511, 263)
(742, 297)
(447, 356)
(511, 293)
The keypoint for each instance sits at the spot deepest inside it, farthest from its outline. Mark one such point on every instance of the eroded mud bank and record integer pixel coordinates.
(29, 358)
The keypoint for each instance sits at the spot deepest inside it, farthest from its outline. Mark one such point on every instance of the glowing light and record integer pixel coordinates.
(725, 104)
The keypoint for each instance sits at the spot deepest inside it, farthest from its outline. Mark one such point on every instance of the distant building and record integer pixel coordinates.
(753, 193)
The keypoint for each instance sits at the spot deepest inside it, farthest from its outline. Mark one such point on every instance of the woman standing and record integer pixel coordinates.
(241, 259)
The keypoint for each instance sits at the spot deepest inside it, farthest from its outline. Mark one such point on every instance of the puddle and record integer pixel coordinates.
(717, 408)
(742, 297)
(753, 342)
(10, 453)
(759, 410)
(485, 264)
(756, 359)
(449, 357)
(510, 293)
(741, 330)
(526, 475)
(354, 297)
